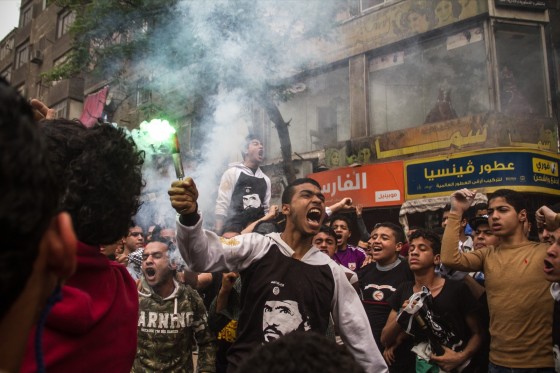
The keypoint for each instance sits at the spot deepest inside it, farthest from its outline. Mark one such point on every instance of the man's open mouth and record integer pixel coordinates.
(548, 265)
(314, 215)
(150, 272)
(376, 249)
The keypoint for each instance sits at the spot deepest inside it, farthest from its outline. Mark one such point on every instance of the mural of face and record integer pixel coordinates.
(444, 12)
(280, 317)
(364, 155)
(335, 158)
(418, 22)
(251, 200)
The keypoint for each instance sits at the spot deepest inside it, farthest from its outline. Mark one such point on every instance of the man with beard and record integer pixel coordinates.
(278, 266)
(244, 192)
(172, 317)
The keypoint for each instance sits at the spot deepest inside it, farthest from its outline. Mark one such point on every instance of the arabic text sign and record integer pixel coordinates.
(372, 185)
(531, 171)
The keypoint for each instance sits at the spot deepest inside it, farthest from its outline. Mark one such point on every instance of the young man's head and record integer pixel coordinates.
(86, 161)
(445, 216)
(424, 251)
(303, 204)
(158, 266)
(253, 152)
(552, 260)
(301, 352)
(386, 242)
(482, 234)
(325, 240)
(507, 212)
(341, 226)
(38, 244)
(28, 202)
(134, 239)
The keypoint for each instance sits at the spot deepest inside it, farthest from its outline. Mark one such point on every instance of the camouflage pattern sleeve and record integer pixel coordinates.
(203, 335)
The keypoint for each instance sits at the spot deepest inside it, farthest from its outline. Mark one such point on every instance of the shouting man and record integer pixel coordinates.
(171, 314)
(279, 267)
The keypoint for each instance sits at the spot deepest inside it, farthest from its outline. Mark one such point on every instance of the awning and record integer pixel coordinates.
(429, 204)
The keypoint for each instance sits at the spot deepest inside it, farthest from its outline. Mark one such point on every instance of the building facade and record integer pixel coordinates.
(417, 86)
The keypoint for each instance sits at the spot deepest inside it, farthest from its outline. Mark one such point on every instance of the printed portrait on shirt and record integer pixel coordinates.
(281, 317)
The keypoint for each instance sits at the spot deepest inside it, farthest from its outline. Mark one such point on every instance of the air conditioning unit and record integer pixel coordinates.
(36, 57)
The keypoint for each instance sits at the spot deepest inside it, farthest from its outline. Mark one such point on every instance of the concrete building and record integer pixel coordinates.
(429, 97)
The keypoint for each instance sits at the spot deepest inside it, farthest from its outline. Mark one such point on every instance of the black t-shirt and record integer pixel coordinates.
(280, 294)
(376, 287)
(454, 302)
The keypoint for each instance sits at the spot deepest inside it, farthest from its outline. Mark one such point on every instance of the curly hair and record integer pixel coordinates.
(301, 352)
(27, 188)
(100, 178)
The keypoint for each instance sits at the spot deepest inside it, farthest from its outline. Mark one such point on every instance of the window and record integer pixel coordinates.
(26, 15)
(58, 62)
(65, 20)
(319, 113)
(521, 69)
(143, 94)
(7, 74)
(437, 80)
(60, 110)
(6, 48)
(21, 90)
(22, 55)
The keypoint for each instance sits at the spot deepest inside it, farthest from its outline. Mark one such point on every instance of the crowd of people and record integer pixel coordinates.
(271, 288)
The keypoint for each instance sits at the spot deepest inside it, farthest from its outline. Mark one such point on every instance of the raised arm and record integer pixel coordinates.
(451, 257)
(203, 250)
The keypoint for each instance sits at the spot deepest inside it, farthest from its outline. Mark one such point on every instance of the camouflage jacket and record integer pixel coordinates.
(169, 329)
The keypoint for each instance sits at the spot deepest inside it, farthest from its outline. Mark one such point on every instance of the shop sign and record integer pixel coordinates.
(374, 185)
(526, 4)
(485, 171)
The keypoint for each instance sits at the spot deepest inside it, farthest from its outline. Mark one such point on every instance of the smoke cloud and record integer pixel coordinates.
(219, 55)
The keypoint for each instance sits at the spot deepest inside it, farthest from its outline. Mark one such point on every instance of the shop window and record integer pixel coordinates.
(318, 111)
(521, 69)
(437, 80)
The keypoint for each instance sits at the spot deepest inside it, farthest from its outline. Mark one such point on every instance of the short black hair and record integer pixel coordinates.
(28, 198)
(301, 352)
(99, 173)
(397, 230)
(512, 197)
(429, 236)
(288, 193)
(344, 218)
(328, 230)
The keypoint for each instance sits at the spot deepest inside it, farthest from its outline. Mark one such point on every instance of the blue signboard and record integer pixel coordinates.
(485, 171)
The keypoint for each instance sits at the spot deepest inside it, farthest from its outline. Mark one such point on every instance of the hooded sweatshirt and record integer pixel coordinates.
(280, 294)
(93, 327)
(168, 329)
